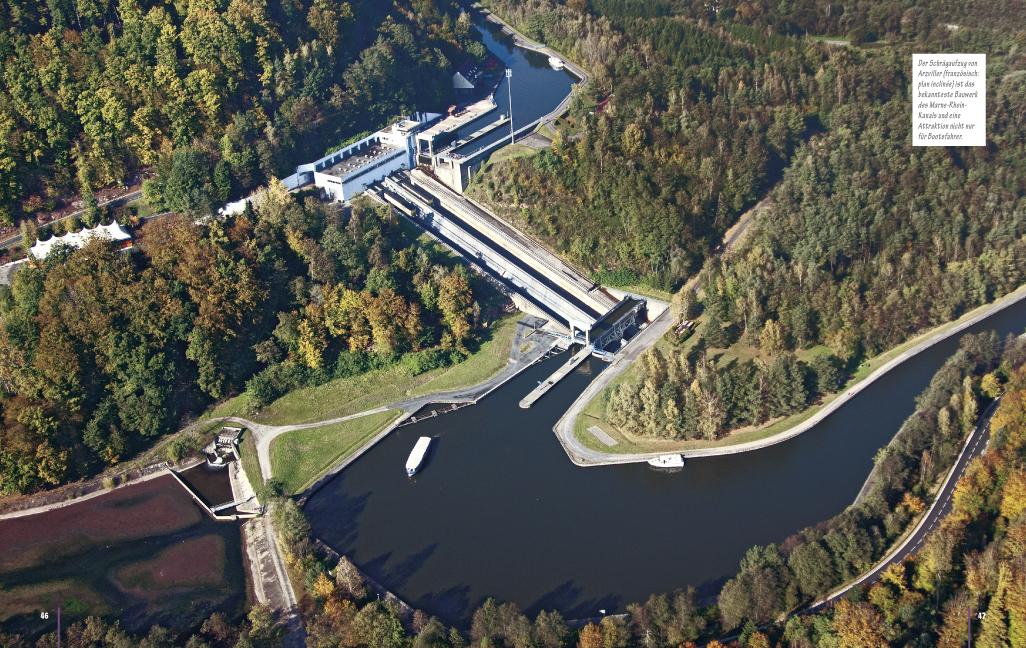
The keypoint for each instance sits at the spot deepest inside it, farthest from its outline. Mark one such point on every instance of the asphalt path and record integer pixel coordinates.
(128, 197)
(974, 446)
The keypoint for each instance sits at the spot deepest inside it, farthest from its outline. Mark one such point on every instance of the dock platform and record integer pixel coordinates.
(550, 382)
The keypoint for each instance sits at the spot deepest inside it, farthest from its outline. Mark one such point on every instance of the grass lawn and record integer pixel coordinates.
(251, 461)
(646, 291)
(512, 152)
(376, 388)
(299, 458)
(486, 362)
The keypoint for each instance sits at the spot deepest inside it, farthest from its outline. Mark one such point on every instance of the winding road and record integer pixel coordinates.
(974, 446)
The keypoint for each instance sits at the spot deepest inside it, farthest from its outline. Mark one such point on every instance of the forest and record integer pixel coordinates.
(861, 240)
(102, 92)
(700, 114)
(861, 246)
(104, 351)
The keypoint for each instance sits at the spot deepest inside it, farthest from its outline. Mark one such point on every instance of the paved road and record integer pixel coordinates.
(564, 428)
(941, 506)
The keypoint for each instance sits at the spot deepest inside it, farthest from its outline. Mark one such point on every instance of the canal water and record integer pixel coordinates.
(537, 88)
(499, 510)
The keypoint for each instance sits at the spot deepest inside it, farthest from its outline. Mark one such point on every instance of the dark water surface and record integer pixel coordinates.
(499, 510)
(213, 485)
(537, 88)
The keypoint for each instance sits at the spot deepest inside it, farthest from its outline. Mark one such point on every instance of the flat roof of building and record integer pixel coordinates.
(465, 116)
(369, 155)
(405, 125)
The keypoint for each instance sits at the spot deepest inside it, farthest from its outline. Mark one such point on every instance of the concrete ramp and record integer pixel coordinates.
(478, 248)
(550, 382)
(529, 251)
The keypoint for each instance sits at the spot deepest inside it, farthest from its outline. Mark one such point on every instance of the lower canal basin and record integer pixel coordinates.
(499, 510)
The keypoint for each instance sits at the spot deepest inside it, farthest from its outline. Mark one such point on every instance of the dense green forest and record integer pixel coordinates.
(862, 240)
(94, 91)
(697, 126)
(865, 242)
(705, 109)
(102, 351)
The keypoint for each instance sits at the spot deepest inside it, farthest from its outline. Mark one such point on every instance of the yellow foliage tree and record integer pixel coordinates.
(858, 625)
(1013, 498)
(914, 505)
(311, 344)
(591, 637)
(323, 587)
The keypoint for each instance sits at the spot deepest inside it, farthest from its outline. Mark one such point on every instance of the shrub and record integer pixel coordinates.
(182, 446)
(418, 362)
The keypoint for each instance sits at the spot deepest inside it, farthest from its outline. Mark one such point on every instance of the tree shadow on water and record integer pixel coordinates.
(567, 599)
(452, 605)
(333, 516)
(397, 576)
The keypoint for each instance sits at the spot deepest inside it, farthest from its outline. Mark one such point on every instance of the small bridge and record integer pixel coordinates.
(228, 505)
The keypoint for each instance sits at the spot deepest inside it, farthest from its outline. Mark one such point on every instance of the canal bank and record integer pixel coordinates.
(567, 429)
(498, 511)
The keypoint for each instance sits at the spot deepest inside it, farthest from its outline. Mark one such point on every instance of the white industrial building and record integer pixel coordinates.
(347, 172)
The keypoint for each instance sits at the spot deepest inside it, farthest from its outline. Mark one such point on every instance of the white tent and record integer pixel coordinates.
(112, 232)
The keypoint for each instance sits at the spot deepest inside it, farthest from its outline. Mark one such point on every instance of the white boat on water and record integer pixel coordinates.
(667, 461)
(417, 455)
(555, 63)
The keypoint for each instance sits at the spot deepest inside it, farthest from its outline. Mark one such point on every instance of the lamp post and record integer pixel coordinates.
(509, 89)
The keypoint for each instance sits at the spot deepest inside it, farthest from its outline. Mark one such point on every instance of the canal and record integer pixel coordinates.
(537, 89)
(498, 509)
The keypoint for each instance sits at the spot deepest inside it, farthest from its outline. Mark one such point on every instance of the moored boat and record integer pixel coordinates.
(555, 63)
(667, 461)
(417, 455)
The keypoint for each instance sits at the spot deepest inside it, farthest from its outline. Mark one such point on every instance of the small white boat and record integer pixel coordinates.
(417, 455)
(555, 63)
(667, 461)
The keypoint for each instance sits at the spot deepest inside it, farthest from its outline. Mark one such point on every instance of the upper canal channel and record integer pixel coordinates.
(536, 90)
